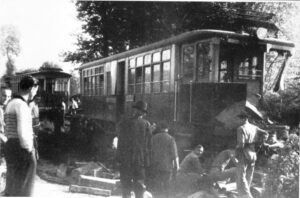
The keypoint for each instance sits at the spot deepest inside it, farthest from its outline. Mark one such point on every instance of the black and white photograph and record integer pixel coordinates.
(149, 99)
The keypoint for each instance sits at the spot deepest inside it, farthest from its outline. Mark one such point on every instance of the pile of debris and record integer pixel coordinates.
(82, 177)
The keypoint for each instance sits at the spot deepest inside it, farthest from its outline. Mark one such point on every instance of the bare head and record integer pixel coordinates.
(5, 95)
(198, 150)
(29, 86)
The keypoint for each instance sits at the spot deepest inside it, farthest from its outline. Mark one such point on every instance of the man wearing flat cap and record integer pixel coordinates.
(247, 135)
(134, 150)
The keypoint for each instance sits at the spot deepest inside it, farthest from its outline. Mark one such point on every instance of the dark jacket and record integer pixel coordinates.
(134, 142)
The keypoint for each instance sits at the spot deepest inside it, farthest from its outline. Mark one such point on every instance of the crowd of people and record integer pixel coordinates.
(148, 158)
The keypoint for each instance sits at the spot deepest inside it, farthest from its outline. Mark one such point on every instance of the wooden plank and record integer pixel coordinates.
(103, 183)
(89, 190)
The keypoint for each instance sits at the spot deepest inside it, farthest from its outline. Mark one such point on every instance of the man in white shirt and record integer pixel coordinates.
(247, 136)
(19, 148)
(5, 98)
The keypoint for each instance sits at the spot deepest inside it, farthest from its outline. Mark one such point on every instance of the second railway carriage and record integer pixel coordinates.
(197, 82)
(54, 87)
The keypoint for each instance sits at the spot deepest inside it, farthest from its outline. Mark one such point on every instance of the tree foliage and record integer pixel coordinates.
(46, 66)
(9, 46)
(283, 173)
(111, 27)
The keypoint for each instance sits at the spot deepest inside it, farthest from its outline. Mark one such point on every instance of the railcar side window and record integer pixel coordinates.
(156, 78)
(147, 75)
(166, 77)
(156, 57)
(108, 78)
(93, 81)
(150, 74)
(108, 85)
(139, 80)
(131, 75)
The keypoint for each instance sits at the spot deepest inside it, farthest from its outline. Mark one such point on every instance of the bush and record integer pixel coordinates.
(283, 172)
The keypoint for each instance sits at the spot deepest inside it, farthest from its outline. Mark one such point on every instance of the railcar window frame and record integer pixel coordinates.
(142, 78)
(92, 78)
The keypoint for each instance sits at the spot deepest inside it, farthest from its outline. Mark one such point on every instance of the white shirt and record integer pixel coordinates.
(18, 121)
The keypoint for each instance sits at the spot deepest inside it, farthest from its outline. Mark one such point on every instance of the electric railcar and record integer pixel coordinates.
(54, 86)
(196, 81)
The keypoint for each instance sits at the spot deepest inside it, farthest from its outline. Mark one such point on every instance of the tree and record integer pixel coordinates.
(50, 66)
(9, 46)
(113, 27)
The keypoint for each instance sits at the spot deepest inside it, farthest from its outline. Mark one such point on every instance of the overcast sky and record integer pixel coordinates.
(46, 28)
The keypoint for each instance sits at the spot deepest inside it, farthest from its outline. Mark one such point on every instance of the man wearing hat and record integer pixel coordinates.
(133, 151)
(247, 135)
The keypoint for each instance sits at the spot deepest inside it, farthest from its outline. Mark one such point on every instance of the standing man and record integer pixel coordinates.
(247, 135)
(5, 98)
(133, 152)
(19, 148)
(164, 159)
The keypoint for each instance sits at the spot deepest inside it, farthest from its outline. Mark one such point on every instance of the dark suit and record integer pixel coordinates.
(133, 154)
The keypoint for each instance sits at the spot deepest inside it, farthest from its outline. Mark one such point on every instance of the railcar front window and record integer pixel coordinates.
(203, 61)
(188, 63)
(274, 64)
(239, 63)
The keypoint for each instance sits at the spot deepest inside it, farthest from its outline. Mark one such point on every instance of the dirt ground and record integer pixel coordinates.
(47, 189)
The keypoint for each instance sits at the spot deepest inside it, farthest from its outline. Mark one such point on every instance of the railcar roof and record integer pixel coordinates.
(54, 73)
(205, 33)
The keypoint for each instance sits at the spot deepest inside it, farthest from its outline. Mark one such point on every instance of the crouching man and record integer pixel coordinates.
(191, 172)
(219, 170)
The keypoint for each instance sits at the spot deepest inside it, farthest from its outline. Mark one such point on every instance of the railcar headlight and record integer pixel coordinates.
(261, 33)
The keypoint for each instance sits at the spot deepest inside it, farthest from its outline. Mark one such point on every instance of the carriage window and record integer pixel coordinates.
(147, 86)
(108, 86)
(147, 59)
(131, 75)
(101, 85)
(166, 54)
(148, 77)
(156, 78)
(188, 63)
(132, 62)
(156, 57)
(139, 80)
(166, 77)
(139, 61)
(97, 82)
